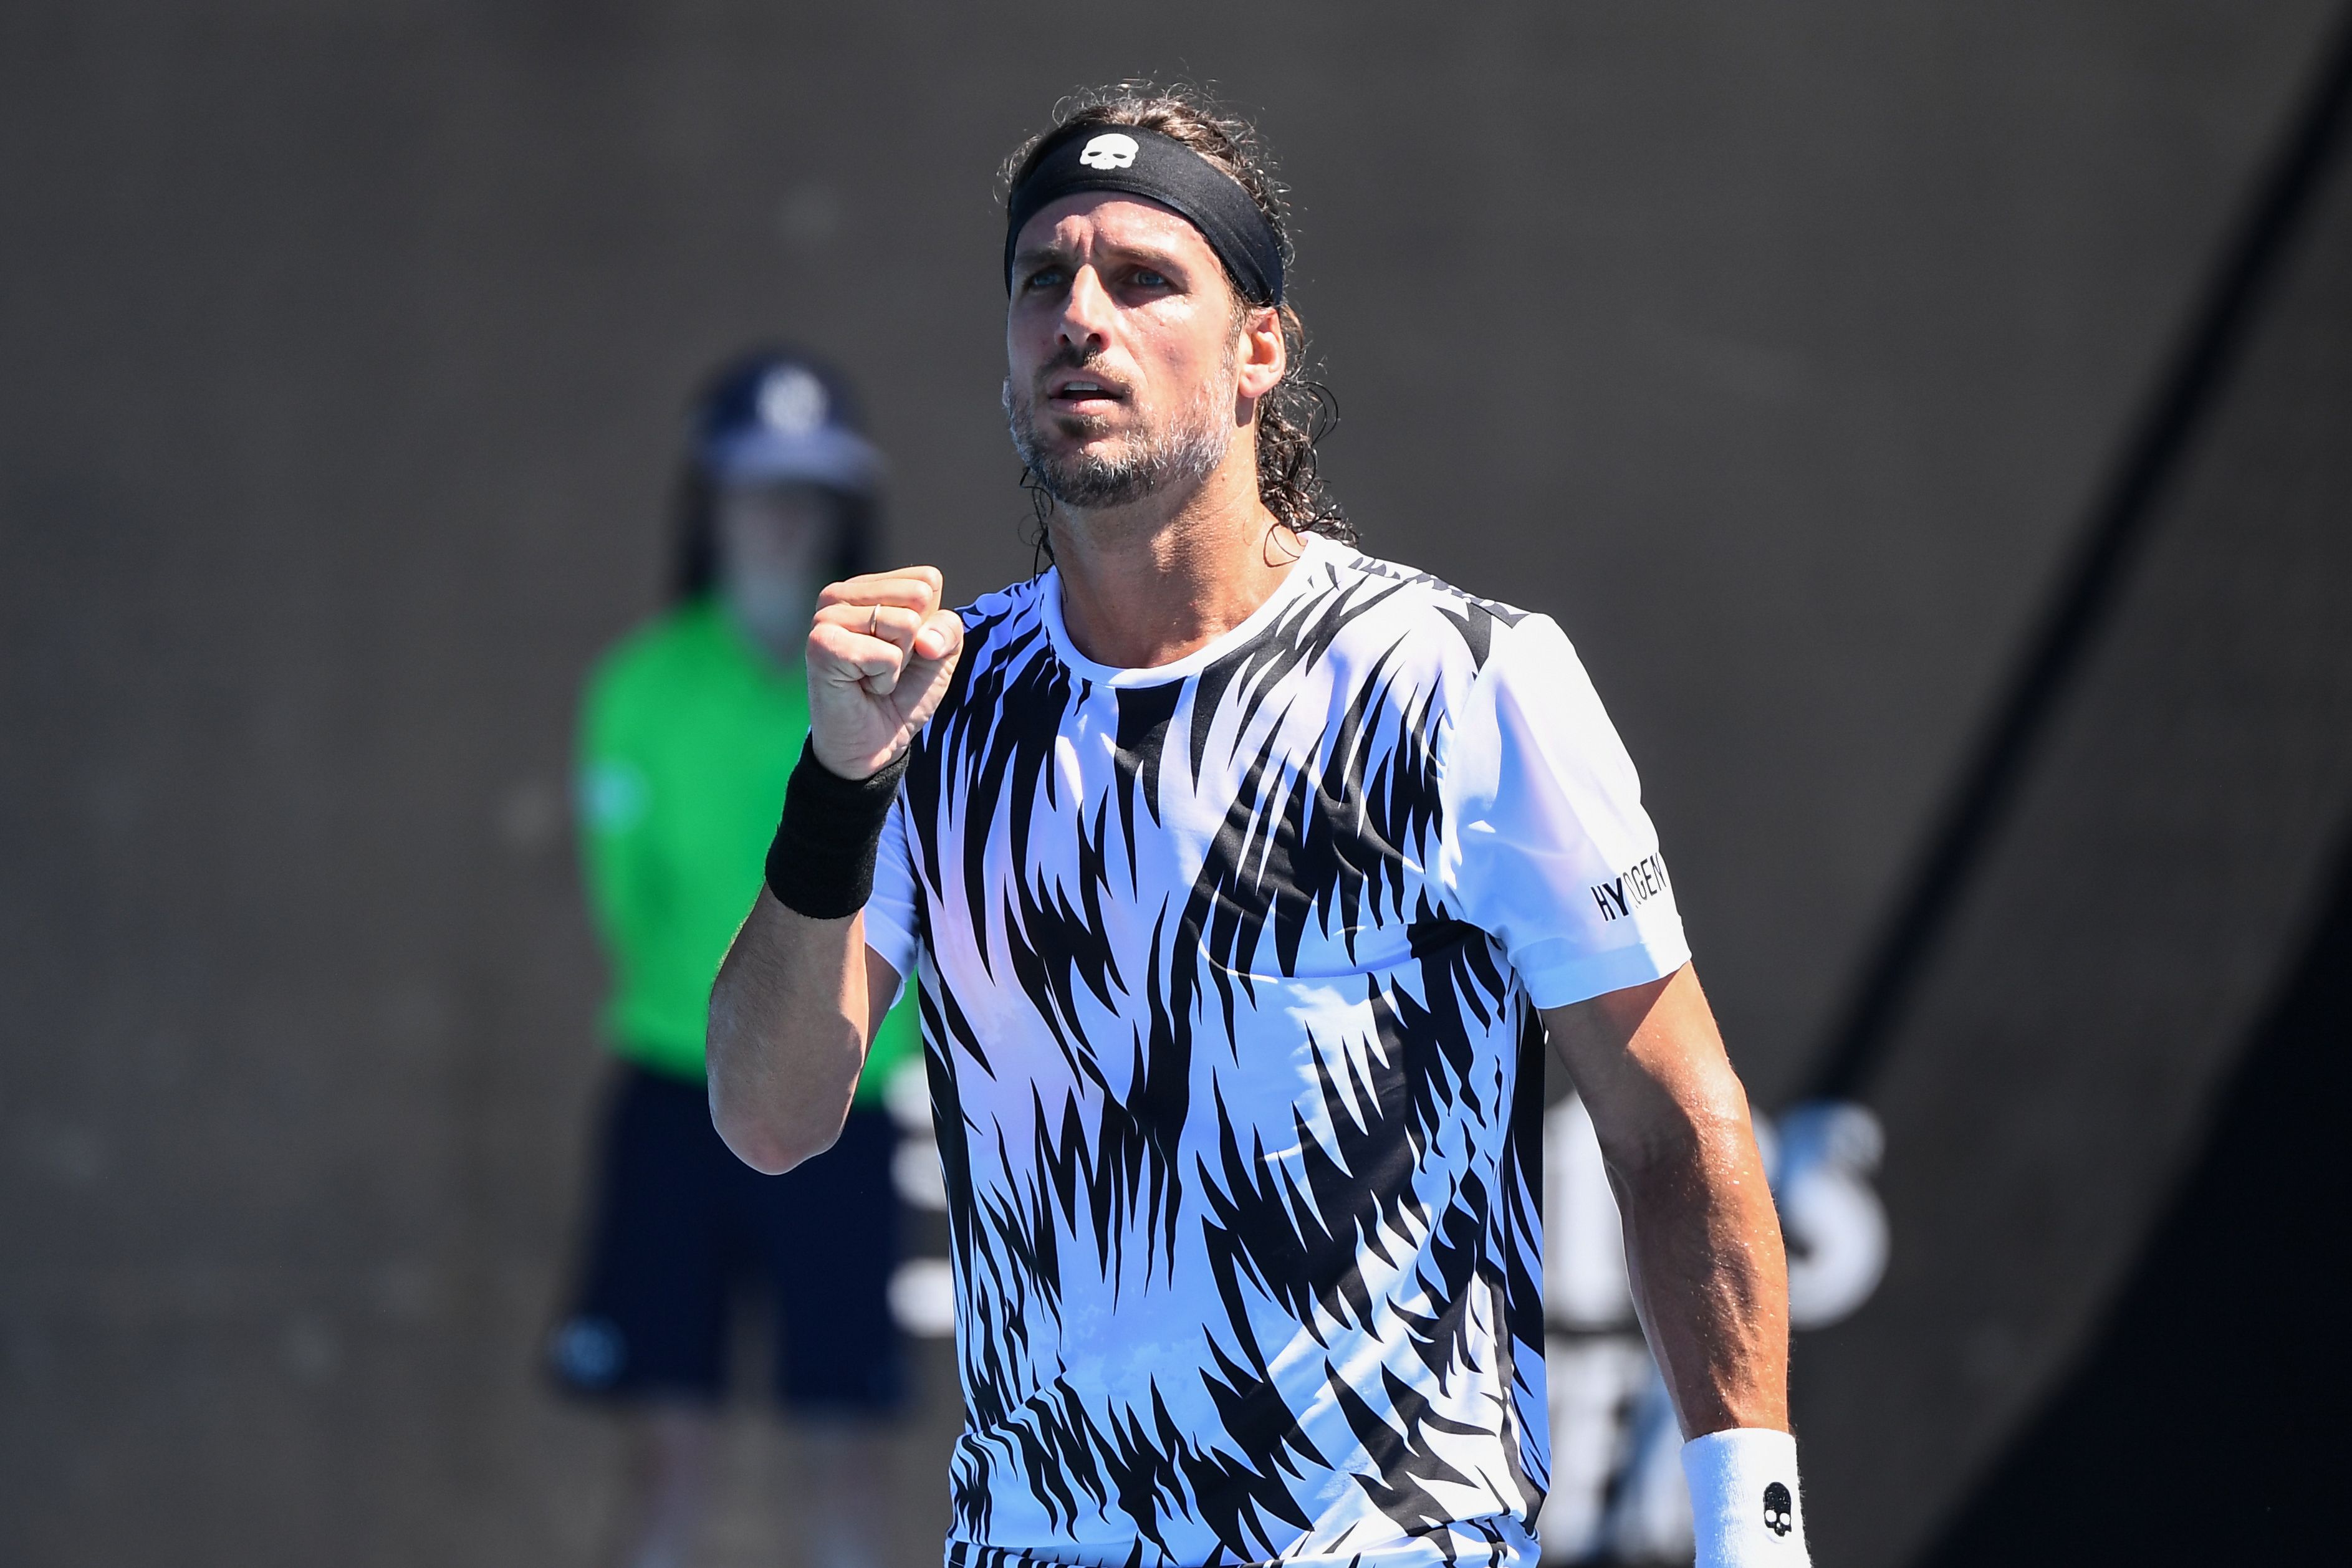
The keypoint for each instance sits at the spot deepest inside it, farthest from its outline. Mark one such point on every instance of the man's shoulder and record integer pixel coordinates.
(1350, 600)
(1004, 604)
(1006, 619)
(1415, 585)
(1394, 594)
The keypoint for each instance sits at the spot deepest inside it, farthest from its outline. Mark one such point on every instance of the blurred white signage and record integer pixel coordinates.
(1616, 1468)
(922, 1292)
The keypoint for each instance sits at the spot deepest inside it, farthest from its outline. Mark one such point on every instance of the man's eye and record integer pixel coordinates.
(1151, 279)
(1044, 277)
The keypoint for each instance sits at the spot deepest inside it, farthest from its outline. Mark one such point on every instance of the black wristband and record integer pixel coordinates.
(822, 863)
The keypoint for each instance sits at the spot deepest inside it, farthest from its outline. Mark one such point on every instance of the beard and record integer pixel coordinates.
(1183, 450)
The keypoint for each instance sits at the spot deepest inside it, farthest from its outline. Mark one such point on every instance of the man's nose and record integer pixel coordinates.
(1085, 312)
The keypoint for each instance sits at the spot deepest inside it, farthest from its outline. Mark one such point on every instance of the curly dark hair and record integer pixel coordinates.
(1299, 411)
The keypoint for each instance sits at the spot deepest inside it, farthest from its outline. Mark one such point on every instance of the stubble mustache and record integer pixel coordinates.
(1071, 357)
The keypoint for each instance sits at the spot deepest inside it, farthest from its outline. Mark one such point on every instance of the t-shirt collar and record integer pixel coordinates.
(1294, 583)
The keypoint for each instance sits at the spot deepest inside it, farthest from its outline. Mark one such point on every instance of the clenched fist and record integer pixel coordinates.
(879, 657)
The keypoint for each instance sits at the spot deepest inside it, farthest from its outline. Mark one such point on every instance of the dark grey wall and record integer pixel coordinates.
(2123, 933)
(340, 349)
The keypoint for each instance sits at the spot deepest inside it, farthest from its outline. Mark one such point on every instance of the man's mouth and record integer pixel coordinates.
(1084, 395)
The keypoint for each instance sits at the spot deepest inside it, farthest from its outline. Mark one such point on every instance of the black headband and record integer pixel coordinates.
(1138, 163)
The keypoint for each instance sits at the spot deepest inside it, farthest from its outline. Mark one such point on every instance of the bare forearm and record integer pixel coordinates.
(1701, 1238)
(795, 1002)
(1710, 1280)
(787, 1034)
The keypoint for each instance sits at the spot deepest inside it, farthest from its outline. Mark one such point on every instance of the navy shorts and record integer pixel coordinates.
(683, 1231)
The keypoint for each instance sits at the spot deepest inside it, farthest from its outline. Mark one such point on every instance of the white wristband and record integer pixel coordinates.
(1746, 1510)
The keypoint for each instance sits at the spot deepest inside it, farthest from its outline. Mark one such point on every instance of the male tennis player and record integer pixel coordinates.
(1244, 875)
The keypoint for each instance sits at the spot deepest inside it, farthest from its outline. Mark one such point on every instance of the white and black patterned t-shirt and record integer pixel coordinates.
(1228, 970)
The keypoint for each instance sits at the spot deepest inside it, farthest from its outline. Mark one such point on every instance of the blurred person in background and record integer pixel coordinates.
(689, 732)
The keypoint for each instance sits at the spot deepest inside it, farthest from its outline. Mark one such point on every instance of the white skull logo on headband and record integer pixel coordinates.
(1108, 150)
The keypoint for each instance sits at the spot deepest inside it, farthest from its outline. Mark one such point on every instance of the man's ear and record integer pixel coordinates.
(1264, 355)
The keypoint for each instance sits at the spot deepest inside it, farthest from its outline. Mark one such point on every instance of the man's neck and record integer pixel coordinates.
(1145, 584)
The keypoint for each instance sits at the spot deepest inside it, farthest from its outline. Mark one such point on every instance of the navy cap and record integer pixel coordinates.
(778, 416)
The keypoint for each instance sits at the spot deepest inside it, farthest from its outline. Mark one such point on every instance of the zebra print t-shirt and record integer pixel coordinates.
(1228, 970)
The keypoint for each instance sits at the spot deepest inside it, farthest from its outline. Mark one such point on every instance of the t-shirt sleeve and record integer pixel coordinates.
(890, 914)
(1546, 846)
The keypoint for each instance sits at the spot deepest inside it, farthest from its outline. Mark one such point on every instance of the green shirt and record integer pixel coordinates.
(686, 736)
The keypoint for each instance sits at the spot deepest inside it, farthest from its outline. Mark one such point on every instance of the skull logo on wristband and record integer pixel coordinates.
(1780, 1509)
